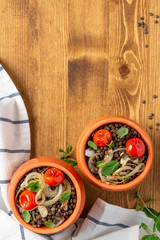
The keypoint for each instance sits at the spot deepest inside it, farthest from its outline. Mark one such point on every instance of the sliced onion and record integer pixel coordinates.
(91, 164)
(49, 192)
(67, 189)
(89, 152)
(32, 175)
(55, 199)
(108, 156)
(59, 223)
(119, 149)
(43, 211)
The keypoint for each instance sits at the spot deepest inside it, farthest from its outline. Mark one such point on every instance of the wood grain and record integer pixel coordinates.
(74, 61)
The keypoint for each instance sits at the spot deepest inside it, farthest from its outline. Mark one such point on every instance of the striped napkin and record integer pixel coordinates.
(103, 222)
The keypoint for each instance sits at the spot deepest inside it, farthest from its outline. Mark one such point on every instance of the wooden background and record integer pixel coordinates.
(75, 61)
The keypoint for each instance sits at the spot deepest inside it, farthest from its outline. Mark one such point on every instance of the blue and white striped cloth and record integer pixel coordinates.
(103, 222)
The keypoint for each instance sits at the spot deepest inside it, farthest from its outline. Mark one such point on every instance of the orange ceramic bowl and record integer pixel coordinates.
(49, 162)
(81, 146)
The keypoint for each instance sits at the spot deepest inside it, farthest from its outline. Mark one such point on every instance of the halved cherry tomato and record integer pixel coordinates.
(27, 200)
(54, 176)
(135, 147)
(102, 137)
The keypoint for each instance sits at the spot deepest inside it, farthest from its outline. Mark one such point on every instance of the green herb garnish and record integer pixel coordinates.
(65, 196)
(126, 180)
(144, 226)
(111, 145)
(92, 145)
(151, 213)
(49, 224)
(71, 162)
(34, 186)
(122, 132)
(110, 167)
(67, 153)
(26, 216)
(99, 163)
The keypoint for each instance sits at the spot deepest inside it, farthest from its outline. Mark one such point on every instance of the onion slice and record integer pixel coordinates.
(55, 199)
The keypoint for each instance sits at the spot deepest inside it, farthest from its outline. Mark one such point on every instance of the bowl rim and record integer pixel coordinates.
(51, 162)
(81, 145)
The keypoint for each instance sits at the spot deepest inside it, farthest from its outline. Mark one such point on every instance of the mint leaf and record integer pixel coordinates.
(65, 196)
(150, 200)
(92, 145)
(137, 195)
(158, 224)
(154, 226)
(69, 149)
(126, 180)
(122, 132)
(33, 186)
(26, 216)
(109, 168)
(148, 214)
(99, 163)
(65, 155)
(149, 237)
(144, 226)
(49, 224)
(71, 162)
(139, 207)
(111, 145)
(60, 150)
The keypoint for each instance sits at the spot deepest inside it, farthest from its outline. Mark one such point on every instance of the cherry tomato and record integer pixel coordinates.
(27, 200)
(102, 137)
(54, 176)
(135, 147)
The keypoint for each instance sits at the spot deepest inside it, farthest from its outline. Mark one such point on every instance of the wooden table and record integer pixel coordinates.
(75, 61)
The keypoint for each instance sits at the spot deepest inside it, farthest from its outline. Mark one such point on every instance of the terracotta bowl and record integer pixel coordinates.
(49, 162)
(81, 159)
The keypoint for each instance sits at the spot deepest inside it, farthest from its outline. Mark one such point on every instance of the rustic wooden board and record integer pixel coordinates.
(74, 61)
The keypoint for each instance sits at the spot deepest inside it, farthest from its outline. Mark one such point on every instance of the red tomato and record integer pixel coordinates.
(54, 176)
(135, 147)
(102, 137)
(27, 200)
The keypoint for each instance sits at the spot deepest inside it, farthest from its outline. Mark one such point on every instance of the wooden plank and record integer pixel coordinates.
(74, 61)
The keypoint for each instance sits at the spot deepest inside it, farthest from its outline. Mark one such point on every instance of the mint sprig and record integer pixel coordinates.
(33, 186)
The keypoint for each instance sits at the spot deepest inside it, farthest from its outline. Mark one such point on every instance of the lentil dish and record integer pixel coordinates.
(116, 153)
(45, 197)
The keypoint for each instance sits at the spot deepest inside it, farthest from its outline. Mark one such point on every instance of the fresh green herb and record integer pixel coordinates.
(99, 163)
(26, 216)
(34, 186)
(137, 195)
(151, 213)
(49, 224)
(92, 145)
(111, 145)
(126, 180)
(144, 226)
(69, 149)
(122, 132)
(150, 200)
(149, 237)
(65, 196)
(139, 207)
(61, 150)
(110, 167)
(67, 153)
(71, 162)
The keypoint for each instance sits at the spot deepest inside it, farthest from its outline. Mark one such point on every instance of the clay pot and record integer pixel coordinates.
(81, 146)
(48, 162)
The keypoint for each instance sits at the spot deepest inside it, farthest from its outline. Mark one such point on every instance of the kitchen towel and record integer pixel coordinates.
(104, 221)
